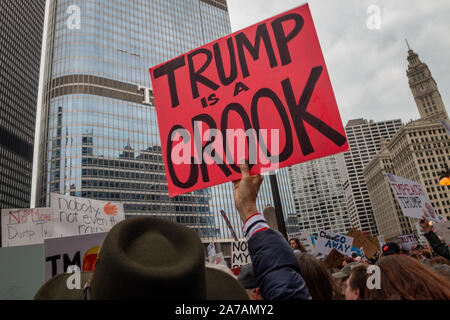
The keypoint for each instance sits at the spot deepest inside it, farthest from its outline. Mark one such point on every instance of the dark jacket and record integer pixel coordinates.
(438, 246)
(276, 268)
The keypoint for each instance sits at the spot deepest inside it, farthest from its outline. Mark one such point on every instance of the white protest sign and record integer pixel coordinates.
(239, 254)
(407, 242)
(77, 216)
(363, 254)
(443, 230)
(25, 226)
(305, 239)
(421, 234)
(412, 198)
(82, 251)
(211, 249)
(327, 240)
(218, 259)
(381, 241)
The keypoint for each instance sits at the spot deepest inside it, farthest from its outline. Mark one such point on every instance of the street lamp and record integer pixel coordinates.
(444, 178)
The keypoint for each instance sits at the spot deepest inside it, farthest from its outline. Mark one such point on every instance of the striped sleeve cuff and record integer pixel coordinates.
(254, 224)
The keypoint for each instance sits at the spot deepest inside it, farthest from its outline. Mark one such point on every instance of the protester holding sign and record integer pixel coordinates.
(438, 246)
(278, 279)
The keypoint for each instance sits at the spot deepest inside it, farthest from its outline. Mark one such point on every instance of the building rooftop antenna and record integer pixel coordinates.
(407, 44)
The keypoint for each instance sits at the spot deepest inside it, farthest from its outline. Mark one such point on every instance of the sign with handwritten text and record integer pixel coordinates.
(412, 198)
(263, 93)
(26, 226)
(328, 240)
(78, 216)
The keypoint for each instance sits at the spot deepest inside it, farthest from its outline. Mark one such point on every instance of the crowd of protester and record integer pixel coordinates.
(142, 253)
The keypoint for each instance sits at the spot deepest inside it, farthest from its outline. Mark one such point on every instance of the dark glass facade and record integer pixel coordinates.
(99, 134)
(21, 25)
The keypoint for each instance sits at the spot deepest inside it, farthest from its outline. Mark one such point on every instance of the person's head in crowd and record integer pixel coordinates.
(405, 278)
(416, 252)
(341, 277)
(354, 255)
(390, 248)
(248, 280)
(346, 260)
(442, 269)
(426, 254)
(296, 245)
(439, 260)
(318, 279)
(357, 283)
(404, 251)
(148, 258)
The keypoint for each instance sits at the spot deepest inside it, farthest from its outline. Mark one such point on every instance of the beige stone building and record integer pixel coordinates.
(417, 152)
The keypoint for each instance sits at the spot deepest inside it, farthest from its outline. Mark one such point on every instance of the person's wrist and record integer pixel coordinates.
(248, 210)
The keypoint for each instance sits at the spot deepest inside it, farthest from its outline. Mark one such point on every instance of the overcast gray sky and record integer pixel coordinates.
(368, 67)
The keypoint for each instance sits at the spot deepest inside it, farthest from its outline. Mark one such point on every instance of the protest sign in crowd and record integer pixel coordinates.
(86, 249)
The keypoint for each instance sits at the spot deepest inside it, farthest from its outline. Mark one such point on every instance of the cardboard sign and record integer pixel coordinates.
(412, 198)
(375, 241)
(211, 249)
(218, 259)
(305, 239)
(82, 251)
(262, 93)
(328, 240)
(78, 216)
(26, 226)
(358, 237)
(407, 242)
(333, 259)
(361, 241)
(239, 254)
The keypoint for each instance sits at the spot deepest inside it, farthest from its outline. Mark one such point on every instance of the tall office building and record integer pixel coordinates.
(364, 142)
(417, 152)
(20, 37)
(319, 196)
(387, 213)
(99, 135)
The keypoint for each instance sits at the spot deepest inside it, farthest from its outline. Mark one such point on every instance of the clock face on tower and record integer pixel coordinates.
(422, 88)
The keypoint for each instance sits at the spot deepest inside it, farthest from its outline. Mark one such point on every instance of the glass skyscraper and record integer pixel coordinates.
(99, 134)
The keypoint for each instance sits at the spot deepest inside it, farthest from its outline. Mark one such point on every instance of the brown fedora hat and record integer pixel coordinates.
(149, 258)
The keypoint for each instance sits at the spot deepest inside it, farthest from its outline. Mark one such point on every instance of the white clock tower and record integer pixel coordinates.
(424, 88)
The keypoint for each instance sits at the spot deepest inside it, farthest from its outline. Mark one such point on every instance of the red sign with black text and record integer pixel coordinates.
(262, 93)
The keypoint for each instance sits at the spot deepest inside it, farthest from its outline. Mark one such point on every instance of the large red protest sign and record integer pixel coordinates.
(262, 93)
